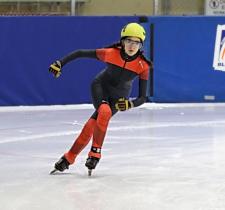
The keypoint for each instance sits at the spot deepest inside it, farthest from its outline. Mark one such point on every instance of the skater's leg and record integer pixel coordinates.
(81, 141)
(104, 115)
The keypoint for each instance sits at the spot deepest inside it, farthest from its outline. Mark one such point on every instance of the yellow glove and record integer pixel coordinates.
(123, 104)
(55, 68)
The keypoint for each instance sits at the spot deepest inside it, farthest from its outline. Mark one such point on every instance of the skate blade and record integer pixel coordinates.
(53, 171)
(89, 172)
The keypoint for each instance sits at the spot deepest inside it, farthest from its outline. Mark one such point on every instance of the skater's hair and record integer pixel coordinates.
(149, 62)
(115, 45)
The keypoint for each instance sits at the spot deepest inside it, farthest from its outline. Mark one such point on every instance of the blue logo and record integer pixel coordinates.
(219, 52)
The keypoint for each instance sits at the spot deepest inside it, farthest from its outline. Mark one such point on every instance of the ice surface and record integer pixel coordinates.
(156, 157)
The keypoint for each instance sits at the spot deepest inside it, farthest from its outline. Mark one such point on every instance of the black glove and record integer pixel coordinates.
(55, 68)
(123, 104)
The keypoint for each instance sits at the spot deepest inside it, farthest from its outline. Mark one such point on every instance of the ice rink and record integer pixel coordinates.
(156, 157)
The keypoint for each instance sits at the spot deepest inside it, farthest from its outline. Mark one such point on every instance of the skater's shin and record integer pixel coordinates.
(83, 139)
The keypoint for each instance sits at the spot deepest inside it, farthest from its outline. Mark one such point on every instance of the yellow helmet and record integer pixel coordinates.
(133, 29)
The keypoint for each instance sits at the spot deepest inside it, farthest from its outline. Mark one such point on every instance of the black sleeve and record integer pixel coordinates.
(78, 54)
(142, 93)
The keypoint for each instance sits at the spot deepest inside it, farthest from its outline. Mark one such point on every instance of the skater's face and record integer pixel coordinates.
(132, 45)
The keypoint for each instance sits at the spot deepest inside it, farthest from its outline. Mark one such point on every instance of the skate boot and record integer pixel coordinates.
(61, 165)
(91, 163)
(93, 159)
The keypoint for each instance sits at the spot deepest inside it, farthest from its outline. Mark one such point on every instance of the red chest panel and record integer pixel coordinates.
(112, 55)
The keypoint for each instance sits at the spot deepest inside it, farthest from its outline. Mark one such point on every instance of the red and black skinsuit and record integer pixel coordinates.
(114, 82)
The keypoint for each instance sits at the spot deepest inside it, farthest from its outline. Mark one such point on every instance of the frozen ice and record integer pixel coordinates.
(156, 157)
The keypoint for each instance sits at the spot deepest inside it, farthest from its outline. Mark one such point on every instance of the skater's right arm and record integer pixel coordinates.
(78, 54)
(56, 67)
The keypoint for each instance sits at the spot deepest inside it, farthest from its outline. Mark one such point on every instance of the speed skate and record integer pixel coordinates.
(63, 164)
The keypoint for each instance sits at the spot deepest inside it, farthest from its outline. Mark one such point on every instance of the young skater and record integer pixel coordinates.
(110, 90)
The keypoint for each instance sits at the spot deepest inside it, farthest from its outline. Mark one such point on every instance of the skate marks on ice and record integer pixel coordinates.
(154, 158)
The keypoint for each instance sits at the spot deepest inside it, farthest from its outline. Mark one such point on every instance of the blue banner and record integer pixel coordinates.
(183, 60)
(30, 44)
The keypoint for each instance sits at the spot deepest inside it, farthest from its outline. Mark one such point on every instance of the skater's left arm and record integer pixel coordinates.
(143, 79)
(141, 99)
(123, 104)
